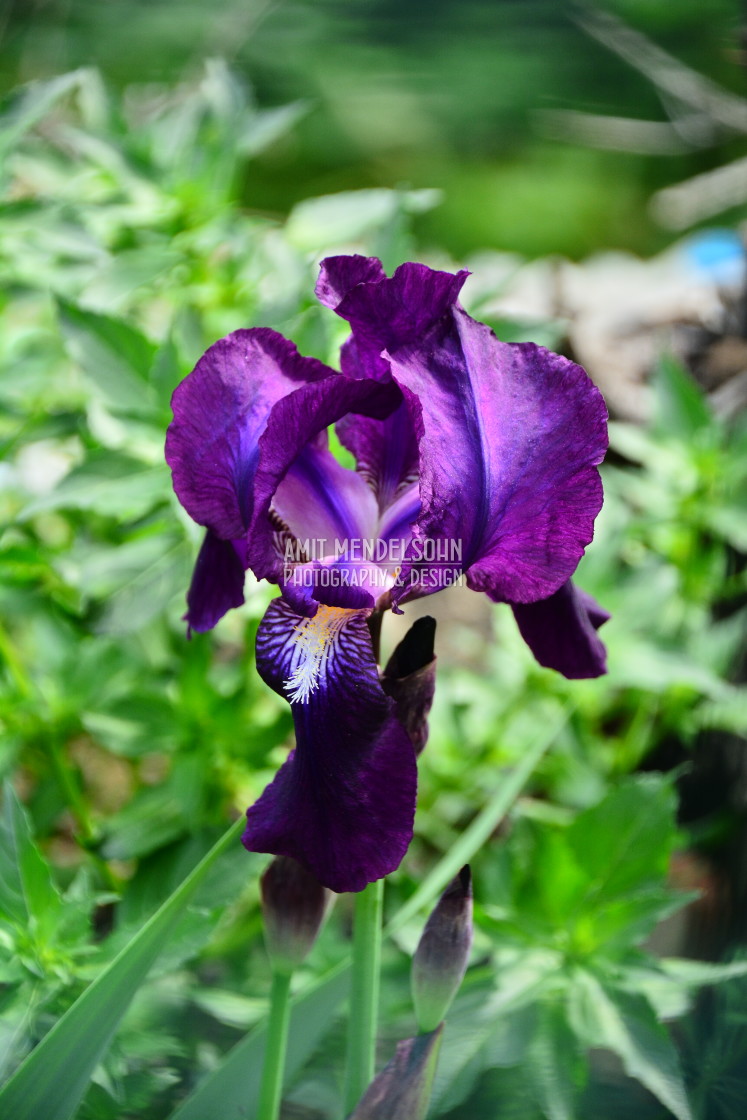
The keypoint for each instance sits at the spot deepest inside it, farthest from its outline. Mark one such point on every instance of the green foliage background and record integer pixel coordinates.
(126, 248)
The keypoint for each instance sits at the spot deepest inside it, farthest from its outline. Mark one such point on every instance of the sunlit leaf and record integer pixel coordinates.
(626, 1024)
(114, 357)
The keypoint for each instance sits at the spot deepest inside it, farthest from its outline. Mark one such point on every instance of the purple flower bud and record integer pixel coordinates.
(294, 906)
(441, 958)
(410, 679)
(402, 1090)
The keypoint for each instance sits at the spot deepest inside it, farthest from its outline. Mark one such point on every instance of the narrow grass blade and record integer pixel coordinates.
(53, 1079)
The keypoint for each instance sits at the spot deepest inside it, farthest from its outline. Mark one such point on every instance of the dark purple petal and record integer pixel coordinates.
(410, 679)
(392, 313)
(337, 275)
(510, 436)
(562, 632)
(294, 422)
(217, 582)
(344, 801)
(340, 583)
(322, 501)
(220, 412)
(386, 452)
(359, 358)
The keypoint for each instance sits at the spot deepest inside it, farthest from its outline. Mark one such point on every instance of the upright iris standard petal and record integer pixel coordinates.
(386, 452)
(338, 275)
(391, 313)
(561, 632)
(293, 422)
(343, 803)
(220, 411)
(321, 501)
(509, 435)
(511, 439)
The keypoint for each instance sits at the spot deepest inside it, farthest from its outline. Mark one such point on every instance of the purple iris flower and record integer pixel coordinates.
(474, 457)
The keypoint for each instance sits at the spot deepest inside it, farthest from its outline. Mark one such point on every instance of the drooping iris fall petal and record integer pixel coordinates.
(217, 582)
(343, 803)
(561, 632)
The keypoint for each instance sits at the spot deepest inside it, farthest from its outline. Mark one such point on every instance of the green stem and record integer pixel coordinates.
(364, 993)
(277, 1041)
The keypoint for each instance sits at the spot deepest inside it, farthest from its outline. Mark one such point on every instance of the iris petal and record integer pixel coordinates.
(293, 422)
(338, 275)
(322, 501)
(217, 582)
(386, 452)
(511, 437)
(344, 801)
(220, 412)
(561, 632)
(392, 313)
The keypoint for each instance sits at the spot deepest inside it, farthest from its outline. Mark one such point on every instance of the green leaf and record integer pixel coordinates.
(119, 277)
(265, 126)
(28, 105)
(149, 592)
(334, 219)
(697, 974)
(231, 1092)
(108, 483)
(486, 821)
(114, 356)
(491, 1027)
(552, 1061)
(680, 408)
(28, 898)
(624, 842)
(625, 1023)
(166, 372)
(53, 1079)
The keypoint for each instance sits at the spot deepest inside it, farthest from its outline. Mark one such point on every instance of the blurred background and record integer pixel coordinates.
(495, 103)
(170, 172)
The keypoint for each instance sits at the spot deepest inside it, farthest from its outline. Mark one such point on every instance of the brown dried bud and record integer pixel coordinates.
(410, 679)
(294, 906)
(441, 958)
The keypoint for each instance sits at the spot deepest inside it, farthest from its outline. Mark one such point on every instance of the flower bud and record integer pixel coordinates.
(410, 679)
(402, 1091)
(294, 906)
(441, 958)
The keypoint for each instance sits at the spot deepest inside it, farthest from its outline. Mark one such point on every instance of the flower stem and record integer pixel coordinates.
(364, 993)
(277, 1039)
